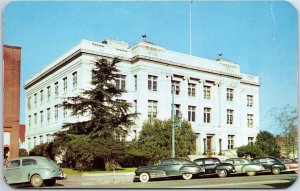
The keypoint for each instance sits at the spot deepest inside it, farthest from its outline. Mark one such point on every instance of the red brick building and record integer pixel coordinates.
(11, 99)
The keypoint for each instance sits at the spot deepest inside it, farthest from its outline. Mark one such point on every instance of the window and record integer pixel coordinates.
(27, 162)
(135, 106)
(229, 116)
(207, 115)
(74, 74)
(29, 121)
(56, 88)
(13, 164)
(65, 113)
(35, 118)
(120, 82)
(250, 120)
(135, 82)
(192, 90)
(192, 113)
(42, 117)
(230, 141)
(48, 138)
(65, 80)
(250, 141)
(207, 92)
(152, 109)
(56, 113)
(29, 103)
(42, 96)
(41, 139)
(152, 83)
(48, 116)
(177, 110)
(48, 93)
(29, 143)
(176, 86)
(35, 100)
(34, 141)
(229, 94)
(250, 100)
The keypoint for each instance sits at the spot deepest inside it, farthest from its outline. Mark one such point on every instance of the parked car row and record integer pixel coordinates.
(209, 166)
(36, 170)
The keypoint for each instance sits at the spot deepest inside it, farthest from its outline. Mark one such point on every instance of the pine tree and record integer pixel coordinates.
(108, 117)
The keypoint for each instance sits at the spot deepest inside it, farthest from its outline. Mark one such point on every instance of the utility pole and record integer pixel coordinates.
(173, 122)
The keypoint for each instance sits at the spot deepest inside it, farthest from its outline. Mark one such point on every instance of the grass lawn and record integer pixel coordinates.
(70, 171)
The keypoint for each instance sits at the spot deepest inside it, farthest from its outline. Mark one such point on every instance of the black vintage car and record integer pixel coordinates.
(169, 167)
(270, 164)
(215, 166)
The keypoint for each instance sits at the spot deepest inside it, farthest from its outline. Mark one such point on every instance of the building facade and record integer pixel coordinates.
(221, 103)
(11, 99)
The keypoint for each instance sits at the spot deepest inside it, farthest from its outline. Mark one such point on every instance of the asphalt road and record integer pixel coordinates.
(264, 181)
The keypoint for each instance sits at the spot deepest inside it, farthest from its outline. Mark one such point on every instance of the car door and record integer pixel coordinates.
(209, 165)
(27, 166)
(238, 165)
(177, 165)
(166, 166)
(265, 162)
(12, 172)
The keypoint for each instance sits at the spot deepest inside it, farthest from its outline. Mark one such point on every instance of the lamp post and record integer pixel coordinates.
(174, 122)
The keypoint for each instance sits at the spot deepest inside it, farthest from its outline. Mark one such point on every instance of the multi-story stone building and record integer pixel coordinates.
(221, 103)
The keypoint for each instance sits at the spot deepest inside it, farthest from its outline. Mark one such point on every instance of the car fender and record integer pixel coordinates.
(222, 167)
(281, 166)
(250, 168)
(190, 170)
(45, 173)
(155, 173)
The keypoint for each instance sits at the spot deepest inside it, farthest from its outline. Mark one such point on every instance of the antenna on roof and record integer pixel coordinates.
(220, 56)
(144, 36)
(191, 27)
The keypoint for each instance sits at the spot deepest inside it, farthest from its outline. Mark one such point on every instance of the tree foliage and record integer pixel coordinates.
(268, 144)
(155, 140)
(108, 119)
(45, 149)
(251, 151)
(23, 153)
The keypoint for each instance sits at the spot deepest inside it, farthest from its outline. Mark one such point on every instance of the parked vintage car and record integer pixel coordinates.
(215, 166)
(270, 164)
(243, 165)
(290, 165)
(167, 168)
(36, 170)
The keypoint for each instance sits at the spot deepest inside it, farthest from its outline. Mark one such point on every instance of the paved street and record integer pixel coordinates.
(235, 181)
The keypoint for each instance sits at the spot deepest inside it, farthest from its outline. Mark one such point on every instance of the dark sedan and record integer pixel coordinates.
(167, 168)
(215, 166)
(270, 164)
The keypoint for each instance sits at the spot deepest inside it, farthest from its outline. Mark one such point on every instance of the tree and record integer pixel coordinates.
(45, 149)
(266, 142)
(23, 153)
(251, 151)
(155, 140)
(108, 117)
(286, 119)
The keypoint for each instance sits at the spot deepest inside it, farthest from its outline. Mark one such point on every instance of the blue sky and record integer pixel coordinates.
(261, 37)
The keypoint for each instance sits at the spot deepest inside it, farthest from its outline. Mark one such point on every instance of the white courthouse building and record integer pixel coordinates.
(221, 103)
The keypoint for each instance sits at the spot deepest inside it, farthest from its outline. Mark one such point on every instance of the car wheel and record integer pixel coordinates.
(251, 173)
(36, 180)
(296, 171)
(187, 176)
(144, 177)
(50, 182)
(276, 170)
(222, 173)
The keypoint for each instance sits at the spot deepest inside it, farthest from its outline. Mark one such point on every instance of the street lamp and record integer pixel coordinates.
(173, 122)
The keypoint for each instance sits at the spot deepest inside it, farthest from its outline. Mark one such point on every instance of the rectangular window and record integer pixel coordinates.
(42, 117)
(192, 113)
(229, 94)
(152, 109)
(48, 116)
(192, 90)
(29, 143)
(29, 103)
(207, 115)
(34, 141)
(48, 138)
(35, 119)
(206, 92)
(42, 96)
(56, 112)
(48, 93)
(35, 100)
(65, 80)
(152, 83)
(74, 75)
(56, 88)
(177, 110)
(135, 82)
(29, 121)
(176, 87)
(230, 141)
(135, 106)
(65, 113)
(41, 139)
(250, 141)
(120, 82)
(250, 120)
(250, 100)
(229, 116)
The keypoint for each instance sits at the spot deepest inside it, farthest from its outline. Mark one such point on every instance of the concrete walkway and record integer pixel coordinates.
(107, 178)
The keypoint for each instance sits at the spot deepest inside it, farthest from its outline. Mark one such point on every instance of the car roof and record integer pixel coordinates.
(29, 157)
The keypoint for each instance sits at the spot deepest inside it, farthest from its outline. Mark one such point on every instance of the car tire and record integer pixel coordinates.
(50, 182)
(222, 173)
(296, 171)
(36, 181)
(187, 176)
(251, 173)
(276, 170)
(144, 177)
